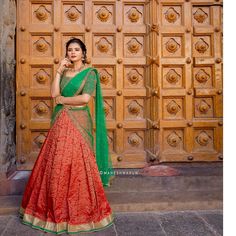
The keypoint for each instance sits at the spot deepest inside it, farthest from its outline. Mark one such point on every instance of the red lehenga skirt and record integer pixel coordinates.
(64, 192)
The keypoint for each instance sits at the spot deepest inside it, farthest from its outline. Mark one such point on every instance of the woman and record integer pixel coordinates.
(65, 190)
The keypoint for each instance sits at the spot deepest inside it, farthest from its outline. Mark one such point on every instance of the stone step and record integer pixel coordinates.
(164, 184)
(9, 204)
(132, 202)
(15, 183)
(167, 206)
(163, 201)
(139, 193)
(196, 186)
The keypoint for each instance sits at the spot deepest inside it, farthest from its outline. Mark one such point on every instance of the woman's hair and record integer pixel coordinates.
(81, 44)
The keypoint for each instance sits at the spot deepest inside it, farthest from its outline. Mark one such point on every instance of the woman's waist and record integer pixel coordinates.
(75, 107)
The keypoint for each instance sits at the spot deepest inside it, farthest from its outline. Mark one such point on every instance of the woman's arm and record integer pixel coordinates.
(55, 87)
(87, 92)
(76, 100)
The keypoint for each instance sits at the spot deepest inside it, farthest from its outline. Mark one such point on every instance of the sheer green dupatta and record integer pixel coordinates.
(88, 79)
(102, 147)
(69, 88)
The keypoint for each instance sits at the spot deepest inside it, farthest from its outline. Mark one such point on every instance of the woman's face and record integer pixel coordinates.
(74, 52)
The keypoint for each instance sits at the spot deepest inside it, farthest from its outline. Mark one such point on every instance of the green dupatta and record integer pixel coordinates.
(73, 88)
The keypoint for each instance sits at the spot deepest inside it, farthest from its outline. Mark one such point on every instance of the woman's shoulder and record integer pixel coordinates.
(93, 70)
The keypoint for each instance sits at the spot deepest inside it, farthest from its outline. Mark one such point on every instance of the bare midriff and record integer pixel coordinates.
(75, 105)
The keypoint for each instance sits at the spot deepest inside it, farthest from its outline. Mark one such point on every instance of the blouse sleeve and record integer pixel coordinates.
(90, 83)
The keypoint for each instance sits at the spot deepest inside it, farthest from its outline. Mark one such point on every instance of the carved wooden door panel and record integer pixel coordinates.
(115, 35)
(188, 119)
(160, 66)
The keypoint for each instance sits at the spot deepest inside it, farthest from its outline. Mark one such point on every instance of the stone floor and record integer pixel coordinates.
(175, 223)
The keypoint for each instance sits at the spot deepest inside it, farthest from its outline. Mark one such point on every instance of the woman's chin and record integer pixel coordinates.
(74, 59)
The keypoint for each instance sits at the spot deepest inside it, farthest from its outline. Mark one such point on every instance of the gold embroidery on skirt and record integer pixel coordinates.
(81, 118)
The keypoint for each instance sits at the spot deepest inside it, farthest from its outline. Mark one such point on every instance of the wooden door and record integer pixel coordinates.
(115, 35)
(187, 77)
(160, 69)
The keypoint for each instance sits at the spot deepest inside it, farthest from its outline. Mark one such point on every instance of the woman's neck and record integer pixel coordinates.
(77, 65)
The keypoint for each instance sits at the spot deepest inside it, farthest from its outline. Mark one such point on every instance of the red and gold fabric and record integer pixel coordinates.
(65, 191)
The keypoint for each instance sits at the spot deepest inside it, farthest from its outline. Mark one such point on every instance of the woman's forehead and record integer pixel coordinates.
(74, 45)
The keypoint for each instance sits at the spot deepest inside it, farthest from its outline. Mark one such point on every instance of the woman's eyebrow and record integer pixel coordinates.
(72, 48)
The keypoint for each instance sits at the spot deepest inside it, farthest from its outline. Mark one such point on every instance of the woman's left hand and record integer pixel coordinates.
(59, 100)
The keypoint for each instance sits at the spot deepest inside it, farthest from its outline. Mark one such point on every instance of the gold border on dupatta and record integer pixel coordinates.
(65, 107)
(70, 78)
(63, 227)
(83, 83)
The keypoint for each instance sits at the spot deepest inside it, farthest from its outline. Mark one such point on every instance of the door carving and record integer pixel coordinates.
(160, 68)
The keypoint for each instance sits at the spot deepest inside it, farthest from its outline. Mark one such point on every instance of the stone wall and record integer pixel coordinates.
(7, 85)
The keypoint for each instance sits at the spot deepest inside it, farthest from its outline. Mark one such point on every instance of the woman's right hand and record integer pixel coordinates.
(64, 64)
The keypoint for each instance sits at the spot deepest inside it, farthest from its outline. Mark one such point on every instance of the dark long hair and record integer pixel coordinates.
(81, 44)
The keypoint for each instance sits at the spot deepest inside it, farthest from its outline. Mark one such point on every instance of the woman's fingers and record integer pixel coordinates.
(59, 99)
(65, 62)
(56, 99)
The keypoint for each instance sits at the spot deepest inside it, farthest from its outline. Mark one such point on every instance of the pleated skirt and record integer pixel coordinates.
(64, 192)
